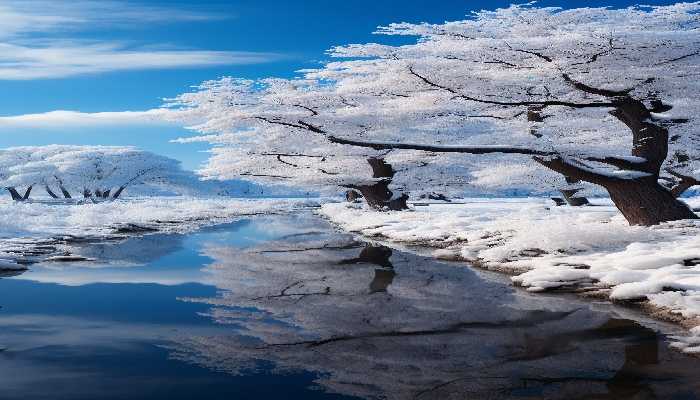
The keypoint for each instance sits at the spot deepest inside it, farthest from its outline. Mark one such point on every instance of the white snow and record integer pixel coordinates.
(549, 247)
(25, 225)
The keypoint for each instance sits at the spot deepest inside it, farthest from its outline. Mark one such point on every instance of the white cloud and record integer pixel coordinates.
(21, 17)
(76, 119)
(33, 45)
(65, 58)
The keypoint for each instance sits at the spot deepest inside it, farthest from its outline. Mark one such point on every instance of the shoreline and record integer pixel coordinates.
(445, 248)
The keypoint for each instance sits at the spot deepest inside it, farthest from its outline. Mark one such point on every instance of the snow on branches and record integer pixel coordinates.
(95, 172)
(600, 95)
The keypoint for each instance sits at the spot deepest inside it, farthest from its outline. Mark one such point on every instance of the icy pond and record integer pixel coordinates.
(286, 307)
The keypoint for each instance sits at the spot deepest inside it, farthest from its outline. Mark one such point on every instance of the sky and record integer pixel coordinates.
(86, 72)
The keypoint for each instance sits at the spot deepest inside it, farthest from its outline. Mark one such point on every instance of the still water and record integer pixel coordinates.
(285, 307)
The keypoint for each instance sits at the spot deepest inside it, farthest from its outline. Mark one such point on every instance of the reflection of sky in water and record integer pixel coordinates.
(203, 315)
(163, 259)
(96, 331)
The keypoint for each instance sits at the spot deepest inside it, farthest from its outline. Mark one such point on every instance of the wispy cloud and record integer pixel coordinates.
(62, 119)
(22, 17)
(69, 58)
(41, 39)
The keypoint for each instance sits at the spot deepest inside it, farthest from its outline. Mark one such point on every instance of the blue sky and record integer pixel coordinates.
(119, 55)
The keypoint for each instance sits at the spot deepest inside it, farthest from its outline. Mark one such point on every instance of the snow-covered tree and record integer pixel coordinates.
(102, 172)
(613, 88)
(597, 95)
(276, 130)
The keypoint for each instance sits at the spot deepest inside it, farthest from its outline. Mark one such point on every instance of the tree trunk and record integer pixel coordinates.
(645, 202)
(13, 192)
(50, 192)
(378, 195)
(65, 192)
(26, 194)
(118, 192)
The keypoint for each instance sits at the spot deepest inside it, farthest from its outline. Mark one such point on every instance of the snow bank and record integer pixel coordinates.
(589, 249)
(31, 228)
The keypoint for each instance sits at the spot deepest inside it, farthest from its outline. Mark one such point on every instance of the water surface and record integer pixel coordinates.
(286, 307)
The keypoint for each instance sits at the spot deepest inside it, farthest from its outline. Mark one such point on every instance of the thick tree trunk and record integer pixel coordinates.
(645, 202)
(378, 195)
(642, 200)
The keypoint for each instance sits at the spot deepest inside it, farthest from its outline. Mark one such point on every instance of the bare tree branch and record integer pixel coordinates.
(441, 149)
(545, 103)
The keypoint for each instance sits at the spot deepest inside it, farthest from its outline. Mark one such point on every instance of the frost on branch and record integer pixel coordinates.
(91, 172)
(275, 131)
(614, 92)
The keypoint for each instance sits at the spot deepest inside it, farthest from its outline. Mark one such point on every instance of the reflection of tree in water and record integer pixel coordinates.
(376, 255)
(377, 324)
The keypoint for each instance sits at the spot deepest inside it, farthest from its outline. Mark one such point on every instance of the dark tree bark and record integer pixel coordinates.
(13, 192)
(378, 195)
(50, 192)
(643, 201)
(64, 191)
(26, 194)
(118, 192)
(380, 256)
(647, 202)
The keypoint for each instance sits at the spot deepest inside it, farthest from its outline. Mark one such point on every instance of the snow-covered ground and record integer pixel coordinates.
(590, 250)
(35, 231)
